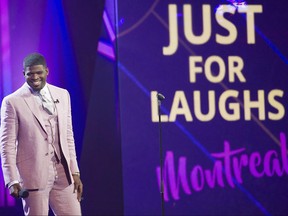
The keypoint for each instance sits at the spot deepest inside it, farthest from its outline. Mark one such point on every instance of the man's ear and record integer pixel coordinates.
(47, 70)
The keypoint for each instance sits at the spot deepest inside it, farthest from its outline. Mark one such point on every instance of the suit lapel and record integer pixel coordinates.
(56, 97)
(33, 106)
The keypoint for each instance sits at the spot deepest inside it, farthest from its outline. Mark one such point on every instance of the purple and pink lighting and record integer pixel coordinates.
(104, 48)
(5, 198)
(5, 48)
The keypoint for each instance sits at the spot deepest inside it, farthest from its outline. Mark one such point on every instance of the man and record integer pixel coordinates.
(37, 144)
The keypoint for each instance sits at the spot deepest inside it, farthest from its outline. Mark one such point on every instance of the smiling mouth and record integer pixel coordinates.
(36, 83)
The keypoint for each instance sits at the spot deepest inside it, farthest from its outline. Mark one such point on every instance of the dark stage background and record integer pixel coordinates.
(222, 66)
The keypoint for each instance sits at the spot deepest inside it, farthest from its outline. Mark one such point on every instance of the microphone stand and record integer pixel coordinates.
(161, 97)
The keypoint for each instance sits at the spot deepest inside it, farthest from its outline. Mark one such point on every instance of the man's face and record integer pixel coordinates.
(36, 76)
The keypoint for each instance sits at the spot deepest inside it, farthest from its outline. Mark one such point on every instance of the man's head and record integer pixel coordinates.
(35, 71)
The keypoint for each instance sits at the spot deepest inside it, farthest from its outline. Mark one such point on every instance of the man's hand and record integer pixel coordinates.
(78, 186)
(14, 190)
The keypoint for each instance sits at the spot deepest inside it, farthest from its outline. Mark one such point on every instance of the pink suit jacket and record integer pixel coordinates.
(23, 138)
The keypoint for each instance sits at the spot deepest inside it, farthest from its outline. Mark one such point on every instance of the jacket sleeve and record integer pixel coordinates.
(8, 141)
(70, 140)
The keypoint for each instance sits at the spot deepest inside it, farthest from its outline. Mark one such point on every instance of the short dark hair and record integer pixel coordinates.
(34, 59)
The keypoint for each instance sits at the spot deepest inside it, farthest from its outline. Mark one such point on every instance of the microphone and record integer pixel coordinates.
(23, 193)
(56, 101)
(160, 96)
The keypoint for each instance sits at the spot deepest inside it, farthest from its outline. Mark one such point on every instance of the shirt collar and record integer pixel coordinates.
(45, 89)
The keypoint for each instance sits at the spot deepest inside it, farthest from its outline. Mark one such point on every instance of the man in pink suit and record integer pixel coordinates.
(37, 144)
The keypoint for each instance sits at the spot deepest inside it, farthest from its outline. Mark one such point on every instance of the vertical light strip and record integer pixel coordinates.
(104, 48)
(108, 26)
(5, 48)
(6, 76)
(2, 192)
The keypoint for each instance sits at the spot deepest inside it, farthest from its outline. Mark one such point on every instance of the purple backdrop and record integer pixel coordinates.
(224, 122)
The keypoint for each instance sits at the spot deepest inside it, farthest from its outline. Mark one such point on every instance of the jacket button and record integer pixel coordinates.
(46, 154)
